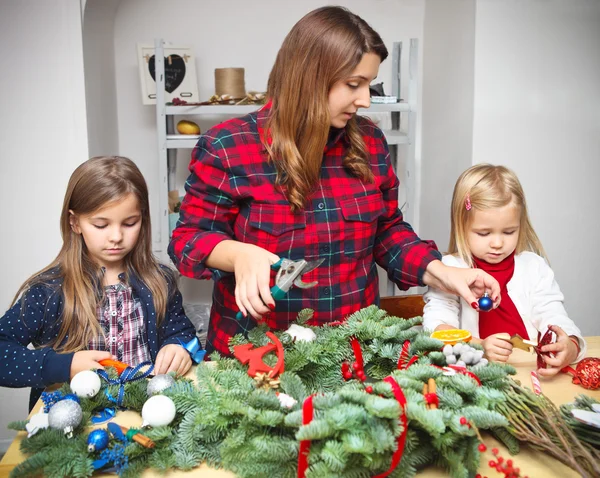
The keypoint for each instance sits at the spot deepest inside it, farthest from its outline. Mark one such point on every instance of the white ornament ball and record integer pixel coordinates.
(65, 415)
(286, 401)
(159, 383)
(467, 357)
(86, 384)
(447, 350)
(301, 334)
(158, 411)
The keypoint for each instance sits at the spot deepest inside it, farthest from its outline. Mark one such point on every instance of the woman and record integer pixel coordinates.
(305, 178)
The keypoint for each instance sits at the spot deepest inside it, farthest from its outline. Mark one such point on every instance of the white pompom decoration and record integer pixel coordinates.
(301, 334)
(286, 401)
(86, 384)
(158, 411)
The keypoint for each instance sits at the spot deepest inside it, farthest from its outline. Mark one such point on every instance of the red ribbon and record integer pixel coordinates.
(307, 416)
(403, 355)
(357, 352)
(432, 399)
(402, 438)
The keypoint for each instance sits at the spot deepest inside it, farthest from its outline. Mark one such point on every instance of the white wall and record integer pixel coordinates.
(227, 33)
(537, 111)
(43, 137)
(446, 110)
(100, 85)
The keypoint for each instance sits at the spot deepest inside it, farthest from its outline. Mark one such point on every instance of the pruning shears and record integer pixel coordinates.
(289, 273)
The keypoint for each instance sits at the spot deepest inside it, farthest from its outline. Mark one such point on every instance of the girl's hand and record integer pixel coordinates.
(88, 360)
(172, 358)
(470, 284)
(252, 268)
(564, 350)
(497, 347)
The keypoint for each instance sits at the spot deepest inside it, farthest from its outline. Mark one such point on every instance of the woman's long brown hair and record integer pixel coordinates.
(95, 184)
(325, 46)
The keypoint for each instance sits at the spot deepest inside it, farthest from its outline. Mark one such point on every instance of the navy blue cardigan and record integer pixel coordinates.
(36, 319)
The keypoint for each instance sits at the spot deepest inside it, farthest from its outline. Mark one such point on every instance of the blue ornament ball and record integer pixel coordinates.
(485, 303)
(97, 440)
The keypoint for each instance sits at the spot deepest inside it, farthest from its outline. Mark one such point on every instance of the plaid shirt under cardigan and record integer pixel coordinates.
(121, 319)
(232, 193)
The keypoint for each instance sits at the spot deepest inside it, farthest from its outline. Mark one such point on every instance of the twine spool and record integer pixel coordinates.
(230, 81)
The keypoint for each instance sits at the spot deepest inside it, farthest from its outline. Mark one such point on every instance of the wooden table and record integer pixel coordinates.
(532, 463)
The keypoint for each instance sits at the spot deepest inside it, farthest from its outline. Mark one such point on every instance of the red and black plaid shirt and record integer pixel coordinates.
(232, 194)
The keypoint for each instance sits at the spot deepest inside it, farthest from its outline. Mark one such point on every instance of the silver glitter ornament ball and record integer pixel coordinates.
(65, 415)
(159, 383)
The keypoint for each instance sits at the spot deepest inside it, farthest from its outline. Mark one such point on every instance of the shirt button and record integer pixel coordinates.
(113, 339)
(113, 313)
(325, 248)
(326, 291)
(321, 205)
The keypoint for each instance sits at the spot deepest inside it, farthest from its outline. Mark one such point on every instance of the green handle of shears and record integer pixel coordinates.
(277, 292)
(277, 265)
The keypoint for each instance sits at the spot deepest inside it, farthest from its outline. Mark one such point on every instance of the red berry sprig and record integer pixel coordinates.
(500, 465)
(355, 372)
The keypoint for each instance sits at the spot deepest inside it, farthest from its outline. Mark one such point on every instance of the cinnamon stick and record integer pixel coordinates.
(139, 438)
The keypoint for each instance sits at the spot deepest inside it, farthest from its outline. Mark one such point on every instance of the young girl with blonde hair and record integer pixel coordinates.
(104, 296)
(305, 177)
(491, 230)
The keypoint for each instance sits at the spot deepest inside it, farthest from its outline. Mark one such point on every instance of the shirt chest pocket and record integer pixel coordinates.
(361, 218)
(271, 226)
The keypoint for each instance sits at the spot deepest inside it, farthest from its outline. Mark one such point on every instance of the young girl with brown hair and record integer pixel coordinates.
(104, 296)
(305, 177)
(491, 230)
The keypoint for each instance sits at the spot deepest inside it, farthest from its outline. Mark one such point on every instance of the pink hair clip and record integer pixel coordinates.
(468, 203)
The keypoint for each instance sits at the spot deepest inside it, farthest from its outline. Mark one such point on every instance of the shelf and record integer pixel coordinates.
(396, 137)
(176, 141)
(182, 141)
(232, 110)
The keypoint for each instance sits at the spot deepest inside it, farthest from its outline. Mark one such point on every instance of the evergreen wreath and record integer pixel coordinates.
(341, 416)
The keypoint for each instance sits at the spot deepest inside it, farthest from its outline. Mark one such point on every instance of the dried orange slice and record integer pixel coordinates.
(452, 336)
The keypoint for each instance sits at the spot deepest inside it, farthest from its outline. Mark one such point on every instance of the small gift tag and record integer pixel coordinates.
(587, 417)
(520, 343)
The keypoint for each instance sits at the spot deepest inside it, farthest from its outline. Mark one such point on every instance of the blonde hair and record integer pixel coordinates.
(488, 187)
(95, 184)
(324, 47)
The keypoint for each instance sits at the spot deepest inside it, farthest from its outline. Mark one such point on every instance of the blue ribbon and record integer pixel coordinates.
(194, 348)
(130, 374)
(50, 398)
(104, 415)
(116, 455)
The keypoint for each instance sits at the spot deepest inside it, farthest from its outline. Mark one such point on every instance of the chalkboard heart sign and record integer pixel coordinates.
(174, 71)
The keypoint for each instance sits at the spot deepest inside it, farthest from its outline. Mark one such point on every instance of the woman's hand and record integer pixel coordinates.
(564, 352)
(88, 360)
(470, 284)
(252, 268)
(497, 347)
(172, 358)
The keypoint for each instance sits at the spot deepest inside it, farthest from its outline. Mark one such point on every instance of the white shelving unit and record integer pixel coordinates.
(169, 142)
